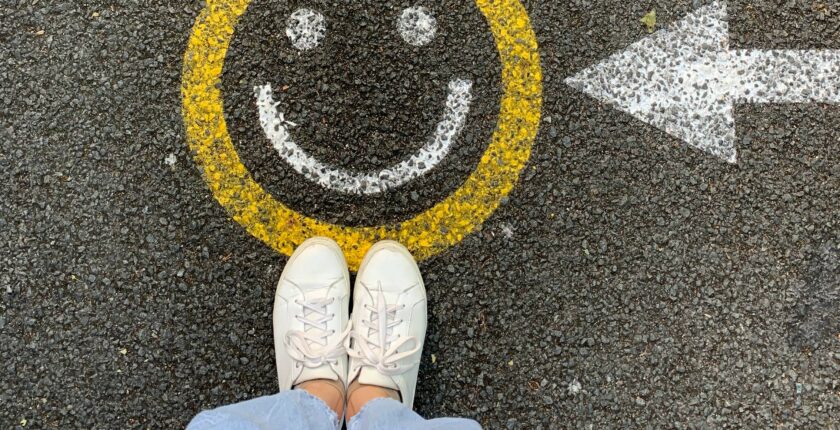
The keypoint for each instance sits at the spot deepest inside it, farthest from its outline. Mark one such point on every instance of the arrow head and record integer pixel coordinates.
(675, 80)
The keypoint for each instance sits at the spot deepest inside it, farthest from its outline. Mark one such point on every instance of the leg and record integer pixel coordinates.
(389, 414)
(295, 409)
(358, 395)
(389, 325)
(311, 322)
(330, 392)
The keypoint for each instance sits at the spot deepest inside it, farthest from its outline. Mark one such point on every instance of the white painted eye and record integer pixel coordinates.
(417, 26)
(305, 29)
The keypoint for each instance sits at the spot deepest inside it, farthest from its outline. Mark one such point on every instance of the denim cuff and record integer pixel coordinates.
(382, 402)
(320, 405)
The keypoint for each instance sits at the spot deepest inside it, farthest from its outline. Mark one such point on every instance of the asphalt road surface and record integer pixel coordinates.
(627, 281)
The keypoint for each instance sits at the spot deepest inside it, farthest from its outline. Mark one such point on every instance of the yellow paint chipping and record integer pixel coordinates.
(428, 233)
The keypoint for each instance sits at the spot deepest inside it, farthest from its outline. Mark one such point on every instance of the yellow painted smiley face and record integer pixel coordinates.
(426, 234)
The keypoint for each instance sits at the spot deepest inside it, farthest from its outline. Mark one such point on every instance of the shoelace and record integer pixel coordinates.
(310, 347)
(375, 344)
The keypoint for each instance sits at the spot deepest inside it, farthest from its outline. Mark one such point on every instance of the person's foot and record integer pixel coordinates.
(389, 322)
(311, 319)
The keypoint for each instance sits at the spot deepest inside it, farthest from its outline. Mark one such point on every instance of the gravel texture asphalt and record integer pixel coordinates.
(629, 281)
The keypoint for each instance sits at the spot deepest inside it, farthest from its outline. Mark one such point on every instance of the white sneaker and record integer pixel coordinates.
(311, 319)
(389, 320)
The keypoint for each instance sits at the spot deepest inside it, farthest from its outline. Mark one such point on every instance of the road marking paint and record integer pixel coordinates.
(427, 233)
(685, 80)
(276, 128)
(305, 29)
(574, 387)
(417, 25)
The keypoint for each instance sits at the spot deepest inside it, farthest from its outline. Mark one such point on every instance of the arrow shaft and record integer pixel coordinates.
(685, 79)
(785, 76)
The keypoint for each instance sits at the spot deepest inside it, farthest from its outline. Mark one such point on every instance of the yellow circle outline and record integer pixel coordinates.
(426, 234)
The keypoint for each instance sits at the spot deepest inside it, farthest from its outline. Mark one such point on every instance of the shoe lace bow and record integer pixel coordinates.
(375, 344)
(311, 347)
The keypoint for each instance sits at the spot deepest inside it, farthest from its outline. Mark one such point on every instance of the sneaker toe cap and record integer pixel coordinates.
(316, 262)
(392, 266)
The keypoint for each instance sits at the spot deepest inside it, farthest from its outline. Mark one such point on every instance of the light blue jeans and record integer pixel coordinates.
(299, 410)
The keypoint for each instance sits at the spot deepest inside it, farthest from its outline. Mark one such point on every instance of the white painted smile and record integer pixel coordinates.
(276, 128)
(305, 30)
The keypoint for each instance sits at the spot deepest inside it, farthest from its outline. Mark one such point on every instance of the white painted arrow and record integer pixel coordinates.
(685, 80)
